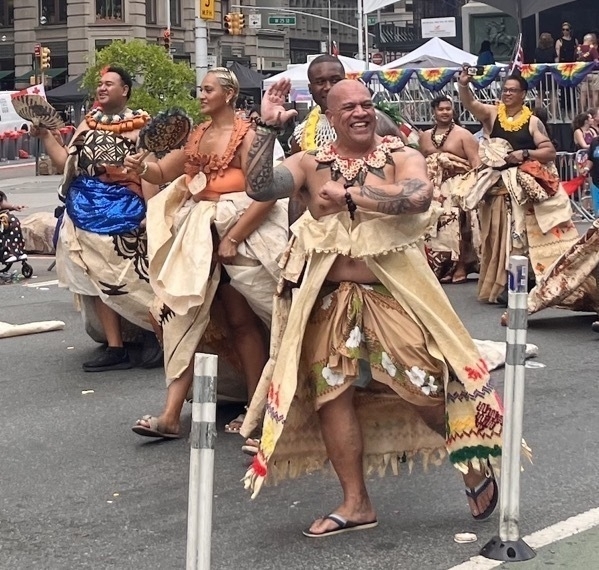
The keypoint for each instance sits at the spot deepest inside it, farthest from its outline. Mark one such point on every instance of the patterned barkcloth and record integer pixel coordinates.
(443, 365)
(457, 230)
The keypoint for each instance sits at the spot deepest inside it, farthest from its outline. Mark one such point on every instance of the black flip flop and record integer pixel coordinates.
(475, 493)
(344, 526)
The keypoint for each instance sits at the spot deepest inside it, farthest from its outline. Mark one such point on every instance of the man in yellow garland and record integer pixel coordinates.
(522, 208)
(101, 252)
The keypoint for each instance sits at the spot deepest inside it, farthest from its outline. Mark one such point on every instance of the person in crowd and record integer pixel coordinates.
(485, 54)
(522, 208)
(592, 168)
(583, 131)
(565, 46)
(587, 53)
(450, 150)
(12, 244)
(101, 250)
(212, 252)
(365, 296)
(545, 53)
(254, 116)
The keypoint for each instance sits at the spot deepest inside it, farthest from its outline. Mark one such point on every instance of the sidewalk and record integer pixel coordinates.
(38, 193)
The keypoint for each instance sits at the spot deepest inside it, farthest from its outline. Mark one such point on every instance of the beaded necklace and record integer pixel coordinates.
(354, 170)
(123, 122)
(443, 137)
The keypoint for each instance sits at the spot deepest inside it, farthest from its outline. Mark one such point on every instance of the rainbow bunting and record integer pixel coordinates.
(490, 74)
(571, 74)
(435, 79)
(533, 73)
(394, 80)
(353, 74)
(366, 76)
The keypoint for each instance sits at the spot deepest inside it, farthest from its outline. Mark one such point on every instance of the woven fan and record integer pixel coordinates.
(167, 131)
(36, 109)
(492, 152)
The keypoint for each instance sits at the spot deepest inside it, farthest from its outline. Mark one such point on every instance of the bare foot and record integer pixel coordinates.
(472, 480)
(357, 512)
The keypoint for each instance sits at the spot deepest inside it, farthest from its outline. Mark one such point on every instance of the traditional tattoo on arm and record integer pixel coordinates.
(414, 198)
(265, 182)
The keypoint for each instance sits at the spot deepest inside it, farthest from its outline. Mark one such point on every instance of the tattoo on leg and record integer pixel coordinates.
(415, 197)
(265, 182)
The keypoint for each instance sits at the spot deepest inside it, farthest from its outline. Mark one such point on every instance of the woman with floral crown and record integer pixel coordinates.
(101, 251)
(213, 254)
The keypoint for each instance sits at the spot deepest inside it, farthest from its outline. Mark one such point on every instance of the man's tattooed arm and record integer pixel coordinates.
(411, 196)
(545, 151)
(264, 182)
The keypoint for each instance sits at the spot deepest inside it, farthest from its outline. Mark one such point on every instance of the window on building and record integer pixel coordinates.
(109, 10)
(150, 11)
(176, 13)
(53, 12)
(7, 13)
(389, 8)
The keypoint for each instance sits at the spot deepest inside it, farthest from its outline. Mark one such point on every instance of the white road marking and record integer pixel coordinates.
(39, 284)
(558, 531)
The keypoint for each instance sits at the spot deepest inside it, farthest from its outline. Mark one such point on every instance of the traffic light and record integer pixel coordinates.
(229, 24)
(240, 23)
(166, 38)
(45, 58)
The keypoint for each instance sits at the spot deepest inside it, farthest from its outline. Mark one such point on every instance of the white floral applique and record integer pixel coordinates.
(327, 301)
(418, 377)
(332, 378)
(388, 365)
(367, 287)
(355, 338)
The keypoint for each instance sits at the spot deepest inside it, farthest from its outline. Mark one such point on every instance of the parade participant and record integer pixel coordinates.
(365, 293)
(450, 150)
(12, 244)
(101, 251)
(522, 208)
(212, 253)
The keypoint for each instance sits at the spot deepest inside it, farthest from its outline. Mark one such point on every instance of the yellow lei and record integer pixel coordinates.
(308, 141)
(509, 124)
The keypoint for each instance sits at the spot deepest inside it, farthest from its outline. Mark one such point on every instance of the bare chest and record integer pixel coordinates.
(441, 142)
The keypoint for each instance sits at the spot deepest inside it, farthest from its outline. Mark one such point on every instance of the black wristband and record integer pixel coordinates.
(260, 124)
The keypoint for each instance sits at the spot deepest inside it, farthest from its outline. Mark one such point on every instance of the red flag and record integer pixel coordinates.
(334, 49)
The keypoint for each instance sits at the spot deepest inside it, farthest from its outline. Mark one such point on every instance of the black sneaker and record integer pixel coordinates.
(151, 354)
(114, 358)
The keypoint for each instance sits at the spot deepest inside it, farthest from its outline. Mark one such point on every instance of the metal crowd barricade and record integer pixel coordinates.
(568, 167)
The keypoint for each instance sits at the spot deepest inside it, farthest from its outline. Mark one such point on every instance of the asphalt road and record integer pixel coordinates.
(78, 489)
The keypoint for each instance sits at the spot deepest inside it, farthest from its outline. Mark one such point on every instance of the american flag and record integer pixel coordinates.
(518, 57)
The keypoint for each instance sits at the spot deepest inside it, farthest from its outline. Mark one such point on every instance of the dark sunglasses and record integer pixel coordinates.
(565, 29)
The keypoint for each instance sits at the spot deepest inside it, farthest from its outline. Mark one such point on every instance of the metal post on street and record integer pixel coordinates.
(366, 48)
(509, 546)
(201, 462)
(205, 10)
(330, 50)
(361, 29)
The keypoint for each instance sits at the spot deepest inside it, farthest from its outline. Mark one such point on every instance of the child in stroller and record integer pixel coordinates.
(12, 245)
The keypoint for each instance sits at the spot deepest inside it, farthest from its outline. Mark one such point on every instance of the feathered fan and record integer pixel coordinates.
(36, 109)
(167, 131)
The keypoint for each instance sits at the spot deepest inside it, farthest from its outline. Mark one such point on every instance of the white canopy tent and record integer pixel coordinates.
(436, 50)
(298, 75)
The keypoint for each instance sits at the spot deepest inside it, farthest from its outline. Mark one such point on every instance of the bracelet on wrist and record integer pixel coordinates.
(351, 205)
(260, 124)
(144, 169)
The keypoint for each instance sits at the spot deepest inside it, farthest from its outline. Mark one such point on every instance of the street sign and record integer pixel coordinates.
(211, 60)
(372, 20)
(281, 20)
(255, 21)
(206, 9)
(377, 58)
(438, 27)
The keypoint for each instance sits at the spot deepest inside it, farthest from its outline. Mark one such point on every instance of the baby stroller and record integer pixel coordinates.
(12, 245)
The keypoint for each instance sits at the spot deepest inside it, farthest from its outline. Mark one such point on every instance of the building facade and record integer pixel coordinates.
(74, 30)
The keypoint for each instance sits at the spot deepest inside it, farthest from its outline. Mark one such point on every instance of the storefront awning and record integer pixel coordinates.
(7, 73)
(52, 72)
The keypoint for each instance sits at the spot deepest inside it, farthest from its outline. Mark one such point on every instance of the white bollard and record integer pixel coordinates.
(508, 546)
(201, 462)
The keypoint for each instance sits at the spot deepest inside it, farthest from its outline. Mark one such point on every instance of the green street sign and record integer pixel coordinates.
(372, 20)
(281, 20)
